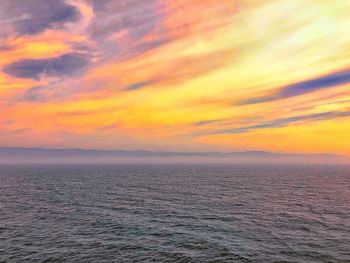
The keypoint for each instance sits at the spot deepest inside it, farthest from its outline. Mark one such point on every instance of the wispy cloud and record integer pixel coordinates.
(59, 66)
(300, 88)
(242, 74)
(136, 86)
(281, 122)
(34, 16)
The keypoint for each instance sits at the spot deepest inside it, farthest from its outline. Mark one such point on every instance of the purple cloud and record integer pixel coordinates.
(64, 65)
(136, 16)
(33, 16)
(303, 87)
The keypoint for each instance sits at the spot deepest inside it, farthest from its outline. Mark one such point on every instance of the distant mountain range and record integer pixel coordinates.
(82, 155)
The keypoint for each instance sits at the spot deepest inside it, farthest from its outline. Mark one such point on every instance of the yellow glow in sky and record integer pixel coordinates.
(189, 75)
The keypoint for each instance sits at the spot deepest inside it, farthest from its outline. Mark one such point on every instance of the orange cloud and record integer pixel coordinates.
(274, 72)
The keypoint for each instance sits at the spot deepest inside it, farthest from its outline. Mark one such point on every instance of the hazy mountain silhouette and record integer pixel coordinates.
(43, 155)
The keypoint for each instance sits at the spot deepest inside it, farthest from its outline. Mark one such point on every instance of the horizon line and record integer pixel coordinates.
(174, 152)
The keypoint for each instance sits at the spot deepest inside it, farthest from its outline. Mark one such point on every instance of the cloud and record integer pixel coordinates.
(4, 47)
(33, 16)
(284, 122)
(137, 85)
(206, 122)
(303, 87)
(135, 16)
(34, 94)
(64, 65)
(164, 70)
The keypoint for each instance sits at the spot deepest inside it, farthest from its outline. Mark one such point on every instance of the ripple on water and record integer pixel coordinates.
(168, 213)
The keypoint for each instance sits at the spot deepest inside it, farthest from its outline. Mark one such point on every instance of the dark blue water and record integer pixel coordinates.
(174, 213)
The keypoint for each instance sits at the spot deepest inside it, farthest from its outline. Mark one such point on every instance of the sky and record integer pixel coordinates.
(176, 75)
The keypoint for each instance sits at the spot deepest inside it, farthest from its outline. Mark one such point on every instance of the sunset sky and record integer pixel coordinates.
(176, 75)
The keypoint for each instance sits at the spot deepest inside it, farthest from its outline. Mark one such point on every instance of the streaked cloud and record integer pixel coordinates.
(136, 86)
(323, 82)
(34, 16)
(66, 64)
(258, 75)
(137, 17)
(285, 122)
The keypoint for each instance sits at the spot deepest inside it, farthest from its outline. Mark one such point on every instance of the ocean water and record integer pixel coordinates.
(174, 213)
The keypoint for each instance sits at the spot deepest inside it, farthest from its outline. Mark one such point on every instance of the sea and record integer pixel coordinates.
(174, 213)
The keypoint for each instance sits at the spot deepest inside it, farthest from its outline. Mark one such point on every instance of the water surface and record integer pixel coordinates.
(174, 213)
